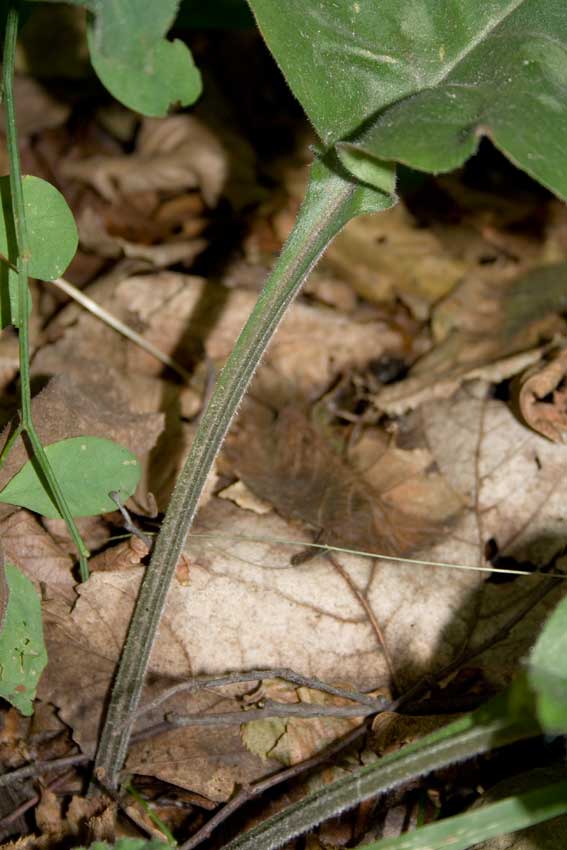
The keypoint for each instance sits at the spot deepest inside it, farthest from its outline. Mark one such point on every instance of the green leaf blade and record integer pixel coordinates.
(52, 235)
(134, 60)
(464, 831)
(23, 656)
(87, 468)
(421, 81)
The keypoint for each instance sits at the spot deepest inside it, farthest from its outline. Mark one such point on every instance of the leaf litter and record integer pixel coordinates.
(430, 463)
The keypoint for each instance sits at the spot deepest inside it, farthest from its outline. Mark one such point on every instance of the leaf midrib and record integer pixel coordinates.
(473, 44)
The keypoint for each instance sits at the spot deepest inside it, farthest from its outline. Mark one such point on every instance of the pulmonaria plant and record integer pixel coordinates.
(383, 82)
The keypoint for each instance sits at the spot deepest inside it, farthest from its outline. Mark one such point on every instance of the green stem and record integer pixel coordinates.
(21, 234)
(332, 200)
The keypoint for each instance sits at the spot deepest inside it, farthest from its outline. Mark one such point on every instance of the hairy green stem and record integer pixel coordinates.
(332, 199)
(454, 743)
(21, 234)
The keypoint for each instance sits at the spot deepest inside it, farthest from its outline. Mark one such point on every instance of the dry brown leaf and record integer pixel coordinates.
(172, 154)
(38, 109)
(127, 554)
(245, 607)
(185, 316)
(541, 397)
(27, 544)
(390, 255)
(291, 465)
(64, 410)
(95, 237)
(489, 328)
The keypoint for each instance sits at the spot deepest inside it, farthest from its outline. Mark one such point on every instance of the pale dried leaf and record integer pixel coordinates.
(242, 606)
(295, 739)
(172, 154)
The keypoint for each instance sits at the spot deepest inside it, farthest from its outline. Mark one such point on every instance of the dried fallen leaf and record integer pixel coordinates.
(30, 547)
(488, 328)
(391, 255)
(292, 466)
(541, 396)
(63, 410)
(172, 154)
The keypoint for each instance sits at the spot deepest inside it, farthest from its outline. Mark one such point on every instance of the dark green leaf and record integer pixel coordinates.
(420, 81)
(52, 235)
(87, 468)
(22, 650)
(134, 60)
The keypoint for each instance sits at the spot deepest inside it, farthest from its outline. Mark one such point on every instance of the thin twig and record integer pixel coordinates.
(40, 767)
(204, 682)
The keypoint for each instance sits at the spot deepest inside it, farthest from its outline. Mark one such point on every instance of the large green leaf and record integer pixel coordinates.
(52, 235)
(22, 650)
(135, 62)
(87, 469)
(420, 81)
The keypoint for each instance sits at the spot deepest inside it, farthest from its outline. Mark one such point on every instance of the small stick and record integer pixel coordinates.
(204, 682)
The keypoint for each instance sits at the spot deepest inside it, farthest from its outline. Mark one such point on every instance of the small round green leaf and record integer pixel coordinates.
(52, 235)
(152, 80)
(87, 469)
(22, 650)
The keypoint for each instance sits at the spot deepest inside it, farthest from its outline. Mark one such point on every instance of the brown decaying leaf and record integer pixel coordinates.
(38, 108)
(292, 466)
(172, 154)
(389, 256)
(128, 553)
(29, 546)
(541, 397)
(489, 328)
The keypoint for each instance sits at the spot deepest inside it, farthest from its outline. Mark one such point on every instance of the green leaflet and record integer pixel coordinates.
(134, 60)
(87, 468)
(420, 81)
(52, 235)
(22, 650)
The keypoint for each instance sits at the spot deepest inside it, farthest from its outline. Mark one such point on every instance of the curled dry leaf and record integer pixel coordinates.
(96, 237)
(489, 328)
(172, 154)
(541, 396)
